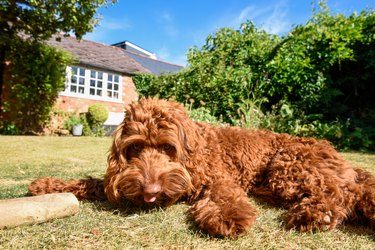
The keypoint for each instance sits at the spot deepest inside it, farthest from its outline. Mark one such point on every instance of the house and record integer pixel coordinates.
(102, 74)
(147, 59)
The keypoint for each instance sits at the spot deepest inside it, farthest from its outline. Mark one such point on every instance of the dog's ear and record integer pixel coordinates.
(116, 164)
(187, 130)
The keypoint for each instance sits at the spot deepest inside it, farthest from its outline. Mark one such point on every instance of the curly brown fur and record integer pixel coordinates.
(159, 156)
(88, 189)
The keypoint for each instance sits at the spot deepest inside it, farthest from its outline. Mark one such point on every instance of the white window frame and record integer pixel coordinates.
(105, 83)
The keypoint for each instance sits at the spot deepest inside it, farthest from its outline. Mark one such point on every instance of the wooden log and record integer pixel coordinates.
(37, 209)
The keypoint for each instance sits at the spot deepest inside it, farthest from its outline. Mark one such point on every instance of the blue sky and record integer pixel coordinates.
(170, 27)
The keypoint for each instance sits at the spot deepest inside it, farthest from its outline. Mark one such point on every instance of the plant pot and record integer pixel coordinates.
(77, 130)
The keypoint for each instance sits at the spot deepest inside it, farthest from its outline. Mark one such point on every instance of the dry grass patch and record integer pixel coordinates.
(100, 225)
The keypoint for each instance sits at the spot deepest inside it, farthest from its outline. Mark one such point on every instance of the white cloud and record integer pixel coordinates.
(114, 24)
(164, 54)
(106, 28)
(166, 16)
(272, 17)
(168, 24)
(277, 22)
(249, 13)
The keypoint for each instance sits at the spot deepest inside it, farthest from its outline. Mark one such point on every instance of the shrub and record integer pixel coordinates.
(97, 114)
(203, 114)
(9, 128)
(37, 76)
(86, 131)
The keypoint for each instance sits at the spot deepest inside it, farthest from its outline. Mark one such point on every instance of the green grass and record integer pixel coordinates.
(100, 225)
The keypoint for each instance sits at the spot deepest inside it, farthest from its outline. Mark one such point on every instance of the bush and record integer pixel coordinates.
(203, 114)
(9, 128)
(97, 114)
(309, 82)
(37, 76)
(86, 131)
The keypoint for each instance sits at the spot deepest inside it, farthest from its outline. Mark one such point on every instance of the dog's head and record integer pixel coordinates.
(147, 160)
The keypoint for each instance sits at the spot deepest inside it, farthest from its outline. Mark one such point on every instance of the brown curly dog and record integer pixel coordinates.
(160, 156)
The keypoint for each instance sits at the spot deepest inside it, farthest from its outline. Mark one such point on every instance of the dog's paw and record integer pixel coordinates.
(311, 218)
(228, 220)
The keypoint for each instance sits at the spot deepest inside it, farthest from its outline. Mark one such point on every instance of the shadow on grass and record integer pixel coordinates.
(127, 209)
(361, 227)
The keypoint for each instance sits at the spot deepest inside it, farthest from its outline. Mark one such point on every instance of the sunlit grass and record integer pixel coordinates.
(100, 225)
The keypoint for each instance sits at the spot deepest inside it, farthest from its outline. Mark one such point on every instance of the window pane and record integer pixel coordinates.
(116, 78)
(115, 87)
(81, 90)
(115, 95)
(99, 92)
(100, 75)
(73, 79)
(109, 93)
(74, 70)
(92, 91)
(73, 89)
(93, 74)
(92, 83)
(81, 72)
(82, 81)
(110, 77)
(109, 85)
(100, 84)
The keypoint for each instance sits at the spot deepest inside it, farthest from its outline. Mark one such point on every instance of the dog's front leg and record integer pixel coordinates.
(223, 210)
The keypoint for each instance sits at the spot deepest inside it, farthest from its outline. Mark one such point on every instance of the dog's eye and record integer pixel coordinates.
(134, 150)
(136, 147)
(167, 148)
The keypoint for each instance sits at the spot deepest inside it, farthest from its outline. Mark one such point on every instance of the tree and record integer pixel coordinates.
(37, 72)
(40, 19)
(315, 81)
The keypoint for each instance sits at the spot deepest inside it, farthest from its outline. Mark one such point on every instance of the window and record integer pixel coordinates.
(92, 84)
(113, 83)
(96, 83)
(77, 81)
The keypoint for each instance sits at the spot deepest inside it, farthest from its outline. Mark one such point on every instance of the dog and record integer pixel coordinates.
(160, 156)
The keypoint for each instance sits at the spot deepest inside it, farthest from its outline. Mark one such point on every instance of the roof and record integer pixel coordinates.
(99, 55)
(128, 46)
(156, 67)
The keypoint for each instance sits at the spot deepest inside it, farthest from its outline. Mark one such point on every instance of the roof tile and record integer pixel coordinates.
(98, 55)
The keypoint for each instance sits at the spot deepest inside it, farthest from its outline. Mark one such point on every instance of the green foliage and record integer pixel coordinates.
(316, 81)
(9, 128)
(37, 75)
(96, 116)
(37, 71)
(228, 69)
(203, 114)
(43, 18)
(73, 120)
(306, 66)
(86, 131)
(250, 114)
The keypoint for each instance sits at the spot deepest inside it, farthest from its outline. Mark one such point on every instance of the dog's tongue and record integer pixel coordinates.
(149, 198)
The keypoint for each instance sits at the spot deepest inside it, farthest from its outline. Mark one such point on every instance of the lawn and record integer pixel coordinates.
(99, 225)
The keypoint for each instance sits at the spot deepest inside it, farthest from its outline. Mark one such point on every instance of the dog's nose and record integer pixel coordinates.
(150, 192)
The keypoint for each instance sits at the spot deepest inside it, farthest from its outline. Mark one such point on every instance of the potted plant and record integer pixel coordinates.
(75, 124)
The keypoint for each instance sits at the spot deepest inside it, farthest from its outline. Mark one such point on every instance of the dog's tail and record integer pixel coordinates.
(83, 189)
(366, 204)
